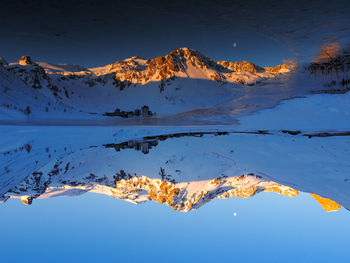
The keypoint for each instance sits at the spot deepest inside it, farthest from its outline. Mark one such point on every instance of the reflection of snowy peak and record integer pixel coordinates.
(183, 196)
(191, 195)
(182, 170)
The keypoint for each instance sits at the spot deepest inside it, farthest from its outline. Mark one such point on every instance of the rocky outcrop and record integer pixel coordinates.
(33, 76)
(245, 66)
(242, 66)
(179, 60)
(278, 69)
(25, 60)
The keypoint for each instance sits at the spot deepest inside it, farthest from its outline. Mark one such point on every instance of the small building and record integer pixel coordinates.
(145, 111)
(137, 112)
(145, 148)
(137, 146)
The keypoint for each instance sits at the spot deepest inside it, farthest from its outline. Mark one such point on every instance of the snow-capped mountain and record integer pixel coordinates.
(184, 85)
(186, 63)
(182, 81)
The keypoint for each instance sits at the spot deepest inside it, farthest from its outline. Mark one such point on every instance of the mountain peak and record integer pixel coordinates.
(188, 53)
(184, 62)
(184, 51)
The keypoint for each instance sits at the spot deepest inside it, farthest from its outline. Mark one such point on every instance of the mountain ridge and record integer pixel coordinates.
(182, 80)
(166, 66)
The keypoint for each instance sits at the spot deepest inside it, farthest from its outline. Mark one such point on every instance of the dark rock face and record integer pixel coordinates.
(177, 59)
(245, 66)
(3, 62)
(25, 60)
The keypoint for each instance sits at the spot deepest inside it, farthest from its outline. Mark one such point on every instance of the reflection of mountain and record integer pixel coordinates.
(183, 170)
(183, 196)
(327, 204)
(327, 52)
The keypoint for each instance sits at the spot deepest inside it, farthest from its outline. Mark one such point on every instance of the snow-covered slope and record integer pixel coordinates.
(26, 90)
(181, 82)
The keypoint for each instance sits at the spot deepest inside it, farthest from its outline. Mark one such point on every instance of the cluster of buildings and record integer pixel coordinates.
(144, 112)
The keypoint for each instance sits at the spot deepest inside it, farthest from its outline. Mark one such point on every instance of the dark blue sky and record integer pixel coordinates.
(95, 33)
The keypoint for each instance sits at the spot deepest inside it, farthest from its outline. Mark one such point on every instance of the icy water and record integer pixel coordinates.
(170, 194)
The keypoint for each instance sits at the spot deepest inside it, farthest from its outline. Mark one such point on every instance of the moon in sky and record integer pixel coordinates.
(234, 44)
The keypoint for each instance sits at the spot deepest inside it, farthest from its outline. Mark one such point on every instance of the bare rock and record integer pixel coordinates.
(25, 60)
